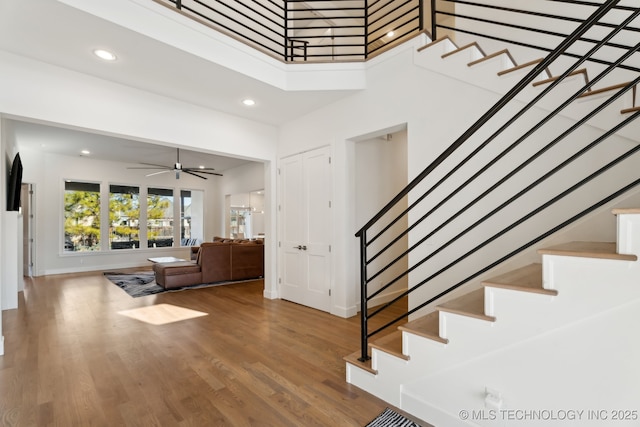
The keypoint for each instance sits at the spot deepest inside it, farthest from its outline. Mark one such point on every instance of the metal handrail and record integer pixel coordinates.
(461, 28)
(382, 228)
(322, 30)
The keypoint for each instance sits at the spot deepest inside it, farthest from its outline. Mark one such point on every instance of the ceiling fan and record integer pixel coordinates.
(177, 168)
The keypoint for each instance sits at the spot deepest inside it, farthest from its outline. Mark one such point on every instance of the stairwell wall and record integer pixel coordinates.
(436, 109)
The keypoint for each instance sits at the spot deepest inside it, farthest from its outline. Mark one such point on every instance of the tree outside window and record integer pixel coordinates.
(124, 217)
(159, 217)
(81, 216)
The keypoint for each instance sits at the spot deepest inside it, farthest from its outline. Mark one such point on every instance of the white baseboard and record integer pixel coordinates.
(2, 345)
(94, 268)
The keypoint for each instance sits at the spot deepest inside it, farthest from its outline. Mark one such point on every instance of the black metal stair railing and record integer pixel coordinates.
(490, 21)
(311, 30)
(549, 160)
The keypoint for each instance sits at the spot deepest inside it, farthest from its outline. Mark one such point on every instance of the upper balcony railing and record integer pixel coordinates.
(311, 30)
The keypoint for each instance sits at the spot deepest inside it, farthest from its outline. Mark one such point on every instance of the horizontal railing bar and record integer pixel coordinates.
(502, 154)
(504, 127)
(530, 214)
(399, 37)
(386, 325)
(531, 29)
(382, 25)
(324, 55)
(253, 30)
(236, 32)
(326, 27)
(571, 55)
(527, 245)
(318, 18)
(533, 13)
(337, 36)
(586, 3)
(244, 15)
(327, 9)
(372, 6)
(385, 13)
(493, 110)
(397, 27)
(264, 6)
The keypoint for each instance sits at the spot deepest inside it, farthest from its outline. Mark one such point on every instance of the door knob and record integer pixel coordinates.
(304, 248)
(297, 247)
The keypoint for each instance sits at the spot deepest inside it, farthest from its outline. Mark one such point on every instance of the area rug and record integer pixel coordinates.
(143, 283)
(390, 418)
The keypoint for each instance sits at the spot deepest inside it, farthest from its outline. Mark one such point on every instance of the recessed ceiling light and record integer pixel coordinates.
(85, 152)
(105, 54)
(248, 102)
(201, 167)
(390, 34)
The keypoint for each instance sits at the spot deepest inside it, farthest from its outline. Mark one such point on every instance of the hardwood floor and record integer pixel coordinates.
(72, 358)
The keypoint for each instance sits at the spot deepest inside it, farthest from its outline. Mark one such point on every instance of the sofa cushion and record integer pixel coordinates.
(172, 275)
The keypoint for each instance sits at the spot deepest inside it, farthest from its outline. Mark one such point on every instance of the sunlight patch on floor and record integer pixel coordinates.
(161, 314)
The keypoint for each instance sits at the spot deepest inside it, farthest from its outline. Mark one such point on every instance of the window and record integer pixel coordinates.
(159, 217)
(81, 216)
(124, 217)
(191, 217)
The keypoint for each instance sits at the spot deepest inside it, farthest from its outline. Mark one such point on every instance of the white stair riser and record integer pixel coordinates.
(628, 224)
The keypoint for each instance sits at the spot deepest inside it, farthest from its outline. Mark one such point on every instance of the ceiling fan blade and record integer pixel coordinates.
(149, 167)
(198, 168)
(203, 171)
(153, 164)
(158, 173)
(194, 174)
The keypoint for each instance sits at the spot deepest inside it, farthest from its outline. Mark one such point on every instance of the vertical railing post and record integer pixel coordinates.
(178, 4)
(285, 26)
(364, 327)
(420, 15)
(433, 21)
(366, 28)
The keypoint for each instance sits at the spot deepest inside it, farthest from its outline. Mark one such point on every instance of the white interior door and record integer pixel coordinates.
(305, 212)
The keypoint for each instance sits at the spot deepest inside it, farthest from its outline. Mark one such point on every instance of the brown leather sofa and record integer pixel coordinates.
(217, 261)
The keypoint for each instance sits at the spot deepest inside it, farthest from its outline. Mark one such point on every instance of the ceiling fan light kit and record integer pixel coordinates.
(177, 168)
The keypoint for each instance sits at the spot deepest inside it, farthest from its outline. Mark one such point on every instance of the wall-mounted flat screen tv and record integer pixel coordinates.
(14, 184)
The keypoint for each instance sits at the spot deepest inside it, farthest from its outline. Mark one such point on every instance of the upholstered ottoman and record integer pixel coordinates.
(173, 275)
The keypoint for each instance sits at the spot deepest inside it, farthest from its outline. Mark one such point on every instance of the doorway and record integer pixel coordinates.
(380, 173)
(305, 219)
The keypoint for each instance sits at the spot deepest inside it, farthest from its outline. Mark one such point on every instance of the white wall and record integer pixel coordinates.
(436, 110)
(398, 93)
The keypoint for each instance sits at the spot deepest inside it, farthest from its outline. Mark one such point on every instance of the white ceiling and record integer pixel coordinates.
(49, 31)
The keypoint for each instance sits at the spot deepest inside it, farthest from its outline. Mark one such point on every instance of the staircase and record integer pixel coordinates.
(549, 335)
(456, 357)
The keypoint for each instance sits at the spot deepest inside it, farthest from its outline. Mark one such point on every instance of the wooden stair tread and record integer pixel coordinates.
(471, 305)
(490, 56)
(604, 89)
(461, 48)
(427, 326)
(630, 110)
(391, 344)
(603, 250)
(366, 365)
(436, 41)
(525, 279)
(620, 211)
(521, 66)
(582, 71)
